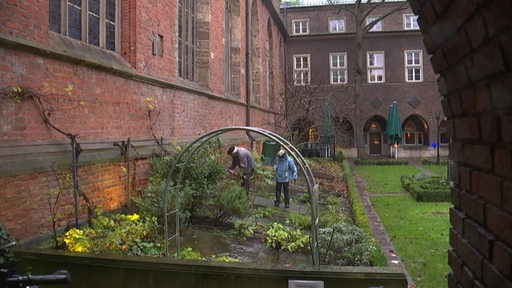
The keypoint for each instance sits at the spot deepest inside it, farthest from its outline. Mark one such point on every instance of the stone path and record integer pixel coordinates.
(378, 229)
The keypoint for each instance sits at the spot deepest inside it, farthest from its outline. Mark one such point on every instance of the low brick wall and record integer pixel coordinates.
(108, 271)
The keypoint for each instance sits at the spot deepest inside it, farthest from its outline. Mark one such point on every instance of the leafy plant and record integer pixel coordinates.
(298, 220)
(191, 254)
(225, 258)
(283, 238)
(262, 212)
(117, 234)
(247, 227)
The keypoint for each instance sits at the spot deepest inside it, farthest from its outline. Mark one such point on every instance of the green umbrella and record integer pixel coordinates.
(394, 128)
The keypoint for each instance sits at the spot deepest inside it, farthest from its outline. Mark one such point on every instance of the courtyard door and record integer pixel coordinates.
(375, 143)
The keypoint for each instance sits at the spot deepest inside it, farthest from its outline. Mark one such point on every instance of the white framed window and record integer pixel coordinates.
(413, 65)
(338, 67)
(301, 68)
(337, 25)
(375, 63)
(411, 22)
(300, 26)
(377, 26)
(91, 21)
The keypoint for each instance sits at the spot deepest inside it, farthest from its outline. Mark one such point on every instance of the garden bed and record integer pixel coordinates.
(219, 221)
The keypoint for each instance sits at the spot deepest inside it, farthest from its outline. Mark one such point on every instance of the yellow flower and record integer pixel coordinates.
(133, 217)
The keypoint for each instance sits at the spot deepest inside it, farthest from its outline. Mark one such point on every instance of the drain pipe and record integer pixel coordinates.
(248, 72)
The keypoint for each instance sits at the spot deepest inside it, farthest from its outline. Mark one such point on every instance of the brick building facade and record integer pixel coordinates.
(469, 43)
(117, 77)
(325, 35)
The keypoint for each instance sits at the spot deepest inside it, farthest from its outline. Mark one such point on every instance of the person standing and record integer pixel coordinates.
(285, 170)
(242, 158)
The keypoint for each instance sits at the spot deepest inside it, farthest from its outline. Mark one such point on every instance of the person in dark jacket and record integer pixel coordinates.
(285, 170)
(242, 158)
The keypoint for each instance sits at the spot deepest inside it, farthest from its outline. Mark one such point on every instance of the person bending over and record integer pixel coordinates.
(242, 158)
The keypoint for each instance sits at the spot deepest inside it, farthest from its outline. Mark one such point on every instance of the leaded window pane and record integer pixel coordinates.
(75, 20)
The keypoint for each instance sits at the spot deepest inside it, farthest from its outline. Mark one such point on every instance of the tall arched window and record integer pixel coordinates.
(255, 55)
(186, 39)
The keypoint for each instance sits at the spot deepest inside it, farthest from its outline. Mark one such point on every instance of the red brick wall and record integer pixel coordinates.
(470, 46)
(25, 210)
(109, 101)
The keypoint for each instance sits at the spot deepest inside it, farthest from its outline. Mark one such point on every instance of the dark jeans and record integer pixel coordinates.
(246, 179)
(284, 186)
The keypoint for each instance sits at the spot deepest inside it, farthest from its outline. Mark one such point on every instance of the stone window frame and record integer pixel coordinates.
(372, 67)
(413, 69)
(108, 34)
(411, 22)
(336, 69)
(301, 69)
(187, 40)
(302, 25)
(337, 27)
(377, 26)
(232, 49)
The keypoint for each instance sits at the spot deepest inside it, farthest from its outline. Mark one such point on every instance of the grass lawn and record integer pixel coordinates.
(384, 179)
(418, 230)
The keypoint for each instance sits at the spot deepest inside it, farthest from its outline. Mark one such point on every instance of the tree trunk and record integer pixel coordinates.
(358, 105)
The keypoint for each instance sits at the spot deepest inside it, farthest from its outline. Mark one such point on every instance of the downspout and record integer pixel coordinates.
(248, 73)
(285, 53)
(247, 65)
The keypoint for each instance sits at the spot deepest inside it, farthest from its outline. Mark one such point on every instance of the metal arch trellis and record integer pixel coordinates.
(292, 151)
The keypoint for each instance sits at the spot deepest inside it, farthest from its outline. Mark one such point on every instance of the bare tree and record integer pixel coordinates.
(301, 108)
(363, 9)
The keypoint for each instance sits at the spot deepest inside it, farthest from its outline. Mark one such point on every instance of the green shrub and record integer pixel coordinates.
(358, 212)
(427, 188)
(332, 212)
(345, 245)
(6, 254)
(380, 162)
(378, 258)
(339, 156)
(204, 189)
(228, 199)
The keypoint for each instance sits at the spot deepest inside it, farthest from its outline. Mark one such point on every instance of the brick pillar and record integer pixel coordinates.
(470, 43)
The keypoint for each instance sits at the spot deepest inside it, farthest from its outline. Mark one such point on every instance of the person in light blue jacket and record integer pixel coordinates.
(285, 170)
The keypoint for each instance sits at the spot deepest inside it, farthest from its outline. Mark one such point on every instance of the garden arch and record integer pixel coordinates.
(196, 144)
